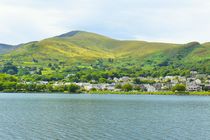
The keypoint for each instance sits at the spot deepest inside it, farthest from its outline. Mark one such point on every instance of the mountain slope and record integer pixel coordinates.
(85, 47)
(4, 48)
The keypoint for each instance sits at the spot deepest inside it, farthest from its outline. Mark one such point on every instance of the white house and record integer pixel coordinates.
(150, 88)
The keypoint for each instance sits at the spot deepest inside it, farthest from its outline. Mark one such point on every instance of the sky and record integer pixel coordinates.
(176, 21)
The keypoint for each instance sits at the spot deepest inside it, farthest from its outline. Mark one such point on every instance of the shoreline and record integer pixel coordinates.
(201, 93)
(153, 93)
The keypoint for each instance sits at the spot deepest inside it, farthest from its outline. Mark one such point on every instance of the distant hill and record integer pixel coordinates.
(87, 46)
(84, 47)
(4, 48)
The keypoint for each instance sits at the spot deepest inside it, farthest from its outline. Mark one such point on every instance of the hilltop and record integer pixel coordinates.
(93, 51)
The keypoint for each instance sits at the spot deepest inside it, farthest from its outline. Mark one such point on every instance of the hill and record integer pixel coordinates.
(84, 46)
(4, 48)
(94, 51)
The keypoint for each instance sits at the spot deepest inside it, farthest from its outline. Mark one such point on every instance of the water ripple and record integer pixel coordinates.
(107, 117)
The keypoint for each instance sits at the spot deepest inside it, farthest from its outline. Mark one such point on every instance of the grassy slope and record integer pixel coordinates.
(199, 57)
(201, 53)
(85, 47)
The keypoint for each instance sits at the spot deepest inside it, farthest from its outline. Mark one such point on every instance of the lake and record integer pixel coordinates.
(104, 117)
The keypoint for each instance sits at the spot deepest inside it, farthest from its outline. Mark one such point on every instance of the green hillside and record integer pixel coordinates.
(92, 51)
(84, 46)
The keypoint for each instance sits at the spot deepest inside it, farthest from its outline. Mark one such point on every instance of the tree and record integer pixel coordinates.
(49, 88)
(10, 86)
(21, 87)
(49, 65)
(40, 87)
(206, 88)
(137, 88)
(127, 87)
(179, 87)
(60, 88)
(102, 80)
(34, 60)
(136, 81)
(118, 86)
(9, 68)
(23, 71)
(111, 60)
(73, 88)
(31, 87)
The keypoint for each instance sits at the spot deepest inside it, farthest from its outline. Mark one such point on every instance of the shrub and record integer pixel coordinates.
(127, 87)
(73, 88)
(179, 87)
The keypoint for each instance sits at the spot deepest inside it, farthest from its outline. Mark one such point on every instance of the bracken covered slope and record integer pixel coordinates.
(80, 46)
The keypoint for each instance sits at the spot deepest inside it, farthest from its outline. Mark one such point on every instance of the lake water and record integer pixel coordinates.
(104, 117)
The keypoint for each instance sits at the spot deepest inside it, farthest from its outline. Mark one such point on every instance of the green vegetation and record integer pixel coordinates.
(179, 88)
(127, 87)
(10, 83)
(72, 88)
(79, 51)
(88, 57)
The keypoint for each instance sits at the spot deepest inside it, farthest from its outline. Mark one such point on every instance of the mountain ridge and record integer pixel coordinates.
(5, 48)
(86, 47)
(75, 32)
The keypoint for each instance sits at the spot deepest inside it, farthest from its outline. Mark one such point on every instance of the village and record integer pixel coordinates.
(196, 82)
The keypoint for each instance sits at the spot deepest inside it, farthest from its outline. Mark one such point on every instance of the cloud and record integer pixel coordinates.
(33, 21)
(155, 20)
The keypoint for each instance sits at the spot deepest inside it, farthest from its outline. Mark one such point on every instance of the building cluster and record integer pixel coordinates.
(196, 82)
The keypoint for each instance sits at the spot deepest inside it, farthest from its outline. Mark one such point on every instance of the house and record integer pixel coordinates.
(166, 86)
(70, 75)
(143, 88)
(169, 77)
(150, 88)
(110, 87)
(116, 80)
(158, 86)
(96, 86)
(198, 82)
(193, 73)
(182, 79)
(125, 79)
(58, 84)
(190, 80)
(43, 82)
(193, 84)
(193, 87)
(88, 87)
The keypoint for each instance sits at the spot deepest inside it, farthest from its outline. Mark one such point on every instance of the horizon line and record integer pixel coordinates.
(114, 38)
